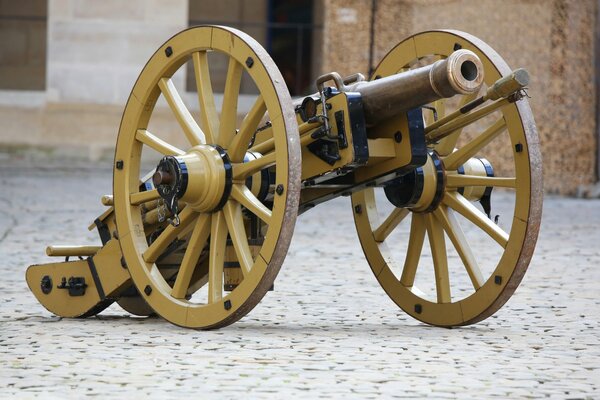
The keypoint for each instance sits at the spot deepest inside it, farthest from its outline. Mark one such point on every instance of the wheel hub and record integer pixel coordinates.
(201, 178)
(422, 189)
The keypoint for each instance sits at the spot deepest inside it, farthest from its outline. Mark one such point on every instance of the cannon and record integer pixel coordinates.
(438, 143)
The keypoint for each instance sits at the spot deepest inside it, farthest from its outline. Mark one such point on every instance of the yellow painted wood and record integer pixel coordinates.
(230, 103)
(157, 144)
(245, 197)
(381, 148)
(464, 207)
(242, 171)
(456, 181)
(488, 295)
(239, 144)
(452, 227)
(218, 235)
(390, 223)
(452, 127)
(237, 232)
(460, 156)
(106, 200)
(196, 43)
(437, 242)
(170, 233)
(415, 246)
(72, 251)
(190, 128)
(209, 120)
(447, 144)
(143, 197)
(192, 253)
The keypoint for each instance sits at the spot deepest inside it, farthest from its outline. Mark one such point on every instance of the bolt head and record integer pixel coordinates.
(279, 189)
(147, 290)
(169, 51)
(249, 62)
(46, 284)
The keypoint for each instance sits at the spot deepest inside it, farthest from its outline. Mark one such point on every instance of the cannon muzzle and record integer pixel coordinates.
(460, 73)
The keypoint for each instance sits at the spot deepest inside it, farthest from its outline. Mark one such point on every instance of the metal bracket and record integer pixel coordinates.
(75, 285)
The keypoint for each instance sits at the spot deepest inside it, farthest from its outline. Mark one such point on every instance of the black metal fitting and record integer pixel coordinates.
(227, 305)
(518, 147)
(119, 164)
(249, 62)
(279, 189)
(75, 285)
(46, 284)
(147, 290)
(169, 51)
(418, 308)
(398, 137)
(498, 280)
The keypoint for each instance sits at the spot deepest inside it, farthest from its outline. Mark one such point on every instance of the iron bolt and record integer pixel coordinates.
(398, 137)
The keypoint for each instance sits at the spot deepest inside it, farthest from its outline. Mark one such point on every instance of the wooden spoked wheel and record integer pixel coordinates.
(218, 208)
(447, 284)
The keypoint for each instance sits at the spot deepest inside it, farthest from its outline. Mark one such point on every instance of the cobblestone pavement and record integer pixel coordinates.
(327, 331)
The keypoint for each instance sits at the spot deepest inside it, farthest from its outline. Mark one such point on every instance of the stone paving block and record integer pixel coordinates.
(327, 331)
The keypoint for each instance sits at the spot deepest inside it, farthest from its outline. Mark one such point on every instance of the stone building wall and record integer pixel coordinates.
(554, 40)
(95, 49)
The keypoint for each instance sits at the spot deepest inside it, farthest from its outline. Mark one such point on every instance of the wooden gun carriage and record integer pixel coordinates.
(422, 147)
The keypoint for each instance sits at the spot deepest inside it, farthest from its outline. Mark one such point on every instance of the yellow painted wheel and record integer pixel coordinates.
(471, 264)
(222, 222)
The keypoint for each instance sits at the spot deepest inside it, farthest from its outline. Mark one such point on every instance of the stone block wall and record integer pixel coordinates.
(96, 49)
(554, 40)
(23, 44)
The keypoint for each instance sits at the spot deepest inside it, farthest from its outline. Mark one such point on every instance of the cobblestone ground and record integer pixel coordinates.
(328, 330)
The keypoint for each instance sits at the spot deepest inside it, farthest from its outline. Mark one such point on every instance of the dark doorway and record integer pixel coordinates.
(289, 41)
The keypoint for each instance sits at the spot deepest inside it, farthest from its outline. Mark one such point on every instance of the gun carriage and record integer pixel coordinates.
(200, 236)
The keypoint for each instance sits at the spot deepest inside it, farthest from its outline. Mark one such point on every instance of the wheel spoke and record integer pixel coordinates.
(437, 242)
(447, 144)
(240, 142)
(245, 197)
(464, 207)
(413, 253)
(218, 238)
(230, 103)
(452, 227)
(460, 156)
(192, 254)
(243, 170)
(135, 199)
(208, 111)
(237, 232)
(456, 181)
(191, 129)
(157, 144)
(390, 223)
(170, 233)
(264, 147)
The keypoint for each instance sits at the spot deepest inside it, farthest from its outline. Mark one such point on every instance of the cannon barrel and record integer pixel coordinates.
(460, 73)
